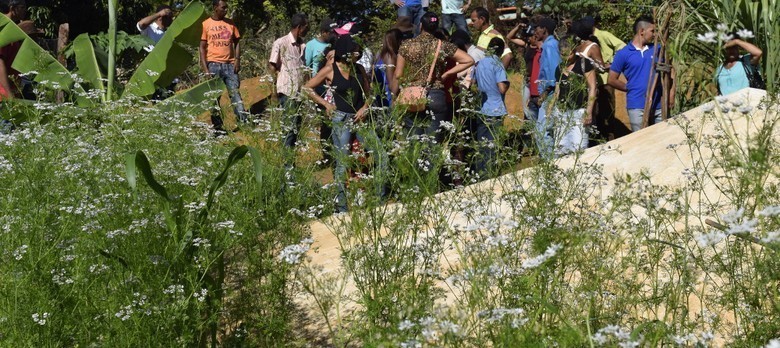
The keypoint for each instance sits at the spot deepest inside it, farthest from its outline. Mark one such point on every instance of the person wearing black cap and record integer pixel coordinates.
(350, 85)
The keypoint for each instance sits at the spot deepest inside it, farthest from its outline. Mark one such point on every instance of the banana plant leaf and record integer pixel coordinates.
(87, 62)
(195, 100)
(33, 58)
(169, 59)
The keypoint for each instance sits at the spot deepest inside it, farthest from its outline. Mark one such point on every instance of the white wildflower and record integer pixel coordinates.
(201, 295)
(40, 318)
(19, 252)
(292, 253)
(538, 260)
(772, 210)
(708, 37)
(722, 27)
(745, 34)
(725, 37)
(775, 343)
(708, 239)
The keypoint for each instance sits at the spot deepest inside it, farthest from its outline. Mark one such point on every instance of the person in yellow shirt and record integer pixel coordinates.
(480, 20)
(605, 121)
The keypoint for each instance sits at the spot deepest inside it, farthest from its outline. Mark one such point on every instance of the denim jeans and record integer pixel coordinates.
(344, 127)
(415, 12)
(544, 141)
(226, 72)
(428, 122)
(458, 19)
(636, 117)
(485, 131)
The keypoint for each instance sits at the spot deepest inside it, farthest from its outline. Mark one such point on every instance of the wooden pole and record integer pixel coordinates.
(62, 41)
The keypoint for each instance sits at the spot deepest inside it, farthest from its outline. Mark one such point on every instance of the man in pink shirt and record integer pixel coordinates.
(286, 62)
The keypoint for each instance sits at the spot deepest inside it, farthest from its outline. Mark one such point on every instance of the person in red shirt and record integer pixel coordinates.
(16, 11)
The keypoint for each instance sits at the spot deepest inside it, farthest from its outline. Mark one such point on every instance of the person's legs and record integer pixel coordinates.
(367, 136)
(543, 141)
(291, 120)
(569, 131)
(437, 111)
(460, 22)
(446, 21)
(341, 142)
(416, 12)
(232, 83)
(216, 113)
(636, 117)
(657, 115)
(485, 134)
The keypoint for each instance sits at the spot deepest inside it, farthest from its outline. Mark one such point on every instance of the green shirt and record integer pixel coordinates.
(609, 44)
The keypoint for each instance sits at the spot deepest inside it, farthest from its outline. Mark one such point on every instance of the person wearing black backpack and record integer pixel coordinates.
(739, 71)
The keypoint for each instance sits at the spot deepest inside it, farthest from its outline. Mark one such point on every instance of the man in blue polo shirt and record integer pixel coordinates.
(413, 9)
(636, 62)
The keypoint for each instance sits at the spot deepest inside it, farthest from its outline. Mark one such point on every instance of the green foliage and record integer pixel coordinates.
(169, 59)
(87, 62)
(32, 57)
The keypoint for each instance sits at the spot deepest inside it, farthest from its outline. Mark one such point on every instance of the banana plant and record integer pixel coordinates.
(33, 58)
(168, 59)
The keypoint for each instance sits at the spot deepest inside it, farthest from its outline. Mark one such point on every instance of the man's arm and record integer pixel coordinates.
(202, 50)
(755, 52)
(148, 20)
(274, 61)
(506, 59)
(465, 6)
(614, 81)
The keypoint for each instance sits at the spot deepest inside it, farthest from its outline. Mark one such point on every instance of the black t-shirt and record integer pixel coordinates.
(573, 87)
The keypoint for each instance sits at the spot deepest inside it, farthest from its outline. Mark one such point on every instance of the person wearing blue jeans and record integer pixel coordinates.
(452, 13)
(344, 127)
(413, 9)
(348, 114)
(226, 72)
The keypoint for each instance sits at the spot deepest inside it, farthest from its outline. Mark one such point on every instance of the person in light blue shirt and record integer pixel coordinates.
(452, 13)
(492, 83)
(732, 75)
(549, 61)
(315, 48)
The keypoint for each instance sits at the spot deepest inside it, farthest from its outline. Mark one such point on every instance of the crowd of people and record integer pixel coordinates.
(426, 68)
(428, 65)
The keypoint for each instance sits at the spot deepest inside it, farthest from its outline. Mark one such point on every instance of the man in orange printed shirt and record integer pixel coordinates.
(220, 56)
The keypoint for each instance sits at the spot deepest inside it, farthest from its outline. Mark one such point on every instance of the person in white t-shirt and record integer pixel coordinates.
(155, 25)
